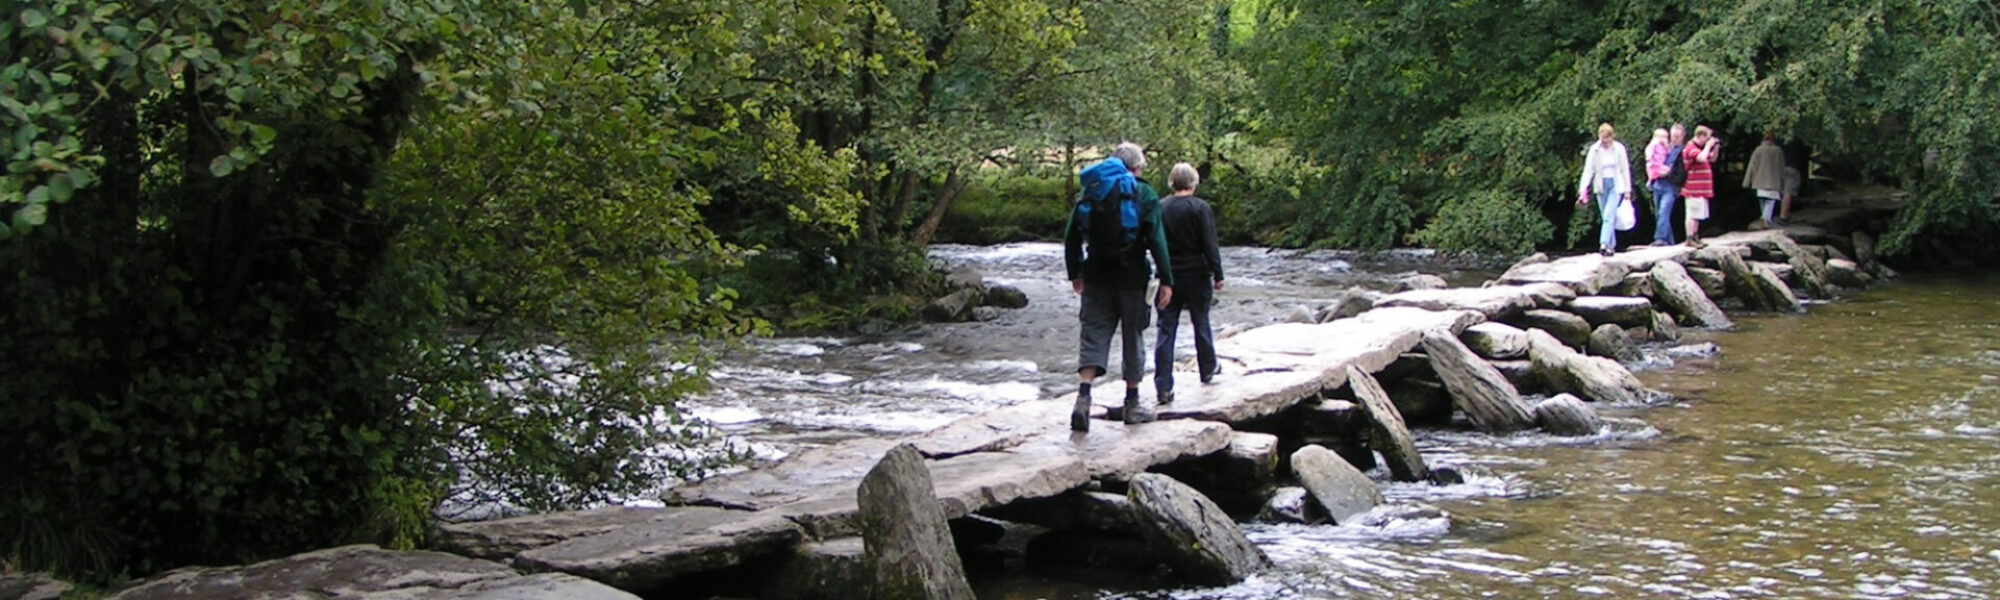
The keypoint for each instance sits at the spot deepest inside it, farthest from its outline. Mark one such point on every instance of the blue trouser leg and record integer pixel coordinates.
(1204, 338)
(1194, 297)
(1664, 195)
(1607, 206)
(1163, 346)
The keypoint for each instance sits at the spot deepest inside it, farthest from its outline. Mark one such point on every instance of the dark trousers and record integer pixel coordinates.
(1108, 308)
(1195, 295)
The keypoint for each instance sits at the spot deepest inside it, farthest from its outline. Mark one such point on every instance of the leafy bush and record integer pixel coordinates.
(1000, 206)
(1486, 222)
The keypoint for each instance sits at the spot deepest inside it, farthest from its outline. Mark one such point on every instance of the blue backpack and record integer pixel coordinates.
(1110, 203)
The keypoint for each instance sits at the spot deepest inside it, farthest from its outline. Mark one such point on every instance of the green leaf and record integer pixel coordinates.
(60, 188)
(33, 18)
(222, 166)
(39, 195)
(30, 216)
(262, 134)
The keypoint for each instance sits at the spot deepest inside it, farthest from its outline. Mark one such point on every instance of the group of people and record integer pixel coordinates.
(1680, 169)
(1117, 222)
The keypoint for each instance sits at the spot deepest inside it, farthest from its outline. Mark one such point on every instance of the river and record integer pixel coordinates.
(1846, 453)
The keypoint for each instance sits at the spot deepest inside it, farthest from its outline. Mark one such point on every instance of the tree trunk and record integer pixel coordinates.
(953, 184)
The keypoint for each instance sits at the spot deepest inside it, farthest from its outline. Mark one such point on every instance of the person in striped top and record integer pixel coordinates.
(1700, 156)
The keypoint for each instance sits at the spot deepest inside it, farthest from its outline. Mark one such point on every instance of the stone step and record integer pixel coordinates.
(368, 573)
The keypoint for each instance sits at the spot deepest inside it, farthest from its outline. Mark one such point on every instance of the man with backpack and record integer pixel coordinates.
(1666, 172)
(1115, 224)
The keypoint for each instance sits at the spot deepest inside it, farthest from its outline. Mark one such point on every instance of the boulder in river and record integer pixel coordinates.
(1475, 386)
(1419, 281)
(965, 278)
(1678, 292)
(1864, 247)
(1006, 296)
(1567, 415)
(1340, 489)
(1663, 328)
(985, 313)
(1549, 295)
(1635, 285)
(1611, 341)
(1521, 373)
(1349, 302)
(1422, 402)
(904, 532)
(1200, 542)
(1391, 437)
(1300, 314)
(1496, 341)
(1568, 327)
(1845, 272)
(1713, 283)
(1621, 310)
(1564, 370)
(1291, 505)
(954, 307)
(1808, 269)
(1759, 288)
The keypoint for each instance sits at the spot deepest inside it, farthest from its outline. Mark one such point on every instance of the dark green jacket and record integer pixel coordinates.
(1114, 261)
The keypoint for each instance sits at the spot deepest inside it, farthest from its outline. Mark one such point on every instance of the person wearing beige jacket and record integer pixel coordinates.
(1767, 175)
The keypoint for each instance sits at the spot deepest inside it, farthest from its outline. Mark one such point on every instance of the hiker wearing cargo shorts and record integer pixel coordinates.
(1114, 226)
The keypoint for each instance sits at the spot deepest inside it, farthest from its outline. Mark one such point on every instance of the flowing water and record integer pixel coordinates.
(1846, 453)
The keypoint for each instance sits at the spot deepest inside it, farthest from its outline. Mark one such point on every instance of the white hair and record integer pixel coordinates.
(1131, 154)
(1183, 177)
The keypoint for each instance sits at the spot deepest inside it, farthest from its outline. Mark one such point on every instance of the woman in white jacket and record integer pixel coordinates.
(1607, 170)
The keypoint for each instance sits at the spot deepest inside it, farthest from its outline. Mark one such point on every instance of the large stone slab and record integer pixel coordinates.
(1586, 274)
(1808, 269)
(835, 568)
(1237, 399)
(1568, 327)
(367, 573)
(1200, 541)
(1621, 310)
(1496, 341)
(965, 484)
(1494, 302)
(646, 557)
(503, 538)
(798, 477)
(1476, 387)
(1549, 295)
(1564, 370)
(1001, 428)
(1567, 415)
(1343, 491)
(1713, 283)
(1642, 259)
(1391, 436)
(1078, 509)
(1117, 451)
(1610, 341)
(1678, 292)
(1758, 288)
(904, 534)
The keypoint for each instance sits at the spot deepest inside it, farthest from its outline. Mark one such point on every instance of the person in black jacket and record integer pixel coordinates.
(1196, 262)
(1106, 262)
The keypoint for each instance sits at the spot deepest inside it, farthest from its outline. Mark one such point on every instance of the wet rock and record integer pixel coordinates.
(1292, 505)
(1777, 295)
(1628, 312)
(1521, 373)
(1568, 327)
(954, 307)
(985, 313)
(1476, 388)
(1760, 288)
(1498, 341)
(1549, 295)
(1864, 247)
(1199, 541)
(1088, 549)
(1585, 274)
(1349, 302)
(1391, 437)
(904, 533)
(1419, 281)
(1330, 417)
(1406, 365)
(1845, 272)
(1567, 415)
(1076, 509)
(1300, 314)
(1248, 464)
(1809, 270)
(1635, 285)
(1338, 488)
(501, 539)
(1610, 341)
(1882, 271)
(1115, 451)
(1493, 302)
(1677, 291)
(1663, 328)
(32, 586)
(965, 278)
(1532, 259)
(1446, 476)
(1713, 283)
(1422, 402)
(1564, 370)
(1642, 259)
(368, 572)
(836, 568)
(800, 476)
(1006, 296)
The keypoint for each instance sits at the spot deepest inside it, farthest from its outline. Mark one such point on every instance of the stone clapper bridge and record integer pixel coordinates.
(1289, 393)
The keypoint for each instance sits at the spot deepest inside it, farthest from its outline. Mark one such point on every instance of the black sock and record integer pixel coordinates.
(1083, 389)
(1131, 393)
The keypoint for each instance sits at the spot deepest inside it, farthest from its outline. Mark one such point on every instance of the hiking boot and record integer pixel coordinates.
(1166, 398)
(1209, 377)
(1079, 417)
(1660, 243)
(1136, 413)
